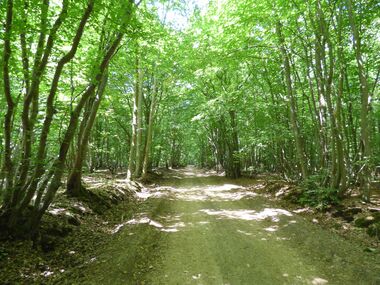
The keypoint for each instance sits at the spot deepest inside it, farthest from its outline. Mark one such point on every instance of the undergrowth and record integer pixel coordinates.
(316, 195)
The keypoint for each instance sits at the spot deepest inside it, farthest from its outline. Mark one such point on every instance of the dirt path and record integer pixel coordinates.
(202, 229)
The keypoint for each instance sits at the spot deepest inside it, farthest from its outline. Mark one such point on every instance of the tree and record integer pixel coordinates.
(31, 187)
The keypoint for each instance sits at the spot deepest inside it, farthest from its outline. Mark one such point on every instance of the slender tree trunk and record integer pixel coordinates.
(293, 112)
(133, 148)
(74, 182)
(234, 150)
(337, 157)
(365, 104)
(30, 106)
(149, 135)
(8, 163)
(58, 165)
(139, 144)
(50, 111)
(341, 151)
(24, 49)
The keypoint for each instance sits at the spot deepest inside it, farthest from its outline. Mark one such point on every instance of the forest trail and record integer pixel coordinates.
(199, 228)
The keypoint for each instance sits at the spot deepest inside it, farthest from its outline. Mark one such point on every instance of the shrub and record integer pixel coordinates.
(319, 197)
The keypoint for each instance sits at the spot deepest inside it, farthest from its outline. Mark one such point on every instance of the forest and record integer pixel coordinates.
(241, 88)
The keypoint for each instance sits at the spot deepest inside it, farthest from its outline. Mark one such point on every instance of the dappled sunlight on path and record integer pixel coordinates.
(201, 228)
(191, 184)
(248, 215)
(225, 192)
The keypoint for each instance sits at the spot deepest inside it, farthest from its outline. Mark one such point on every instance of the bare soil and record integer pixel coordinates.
(190, 226)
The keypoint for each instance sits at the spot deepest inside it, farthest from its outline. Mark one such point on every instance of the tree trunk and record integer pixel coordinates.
(235, 165)
(30, 106)
(8, 163)
(133, 148)
(149, 135)
(74, 182)
(293, 111)
(139, 144)
(365, 151)
(50, 111)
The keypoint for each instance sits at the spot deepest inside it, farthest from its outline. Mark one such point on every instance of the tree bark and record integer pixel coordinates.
(365, 150)
(235, 165)
(74, 182)
(133, 148)
(8, 163)
(293, 111)
(149, 135)
(139, 144)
